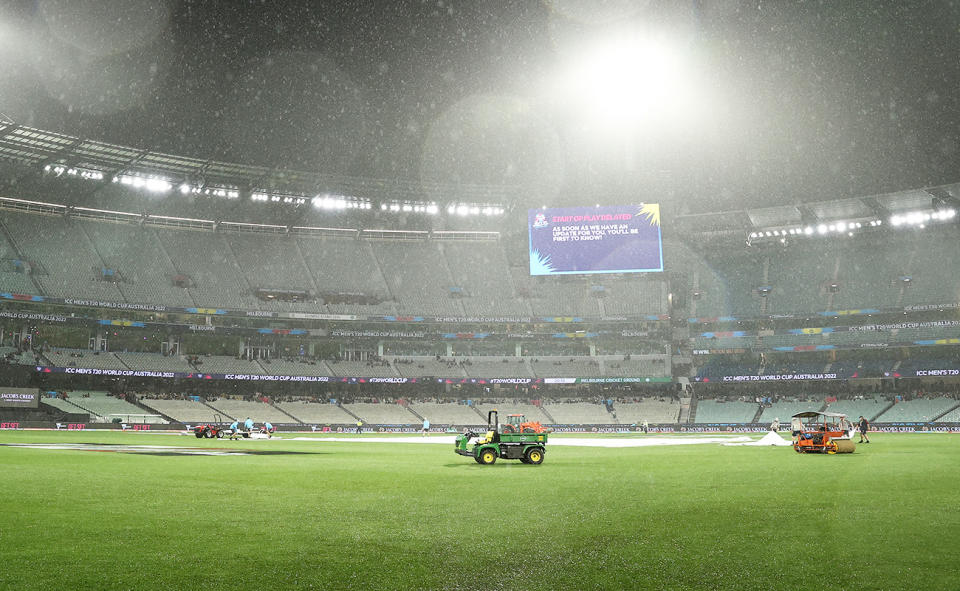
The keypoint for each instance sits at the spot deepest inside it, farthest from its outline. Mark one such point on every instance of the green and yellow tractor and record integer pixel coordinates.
(502, 443)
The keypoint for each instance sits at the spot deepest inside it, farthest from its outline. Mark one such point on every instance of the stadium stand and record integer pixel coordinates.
(228, 365)
(652, 410)
(798, 276)
(68, 265)
(933, 266)
(83, 358)
(953, 416)
(185, 411)
(486, 292)
(241, 409)
(216, 278)
(628, 296)
(636, 366)
(509, 407)
(562, 367)
(418, 276)
(739, 279)
(346, 266)
(64, 404)
(785, 409)
(286, 367)
(273, 262)
(15, 272)
(104, 408)
(135, 252)
(373, 369)
(713, 411)
(869, 407)
(917, 410)
(317, 412)
(154, 362)
(726, 342)
(567, 295)
(865, 276)
(578, 413)
(448, 413)
(505, 367)
(416, 367)
(384, 414)
(862, 367)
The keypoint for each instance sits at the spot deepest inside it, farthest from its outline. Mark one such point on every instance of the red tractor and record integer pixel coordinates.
(518, 423)
(209, 430)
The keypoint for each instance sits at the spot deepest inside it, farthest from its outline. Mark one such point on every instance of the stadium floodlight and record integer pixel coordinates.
(432, 209)
(808, 230)
(463, 210)
(326, 201)
(184, 189)
(822, 229)
(630, 80)
(158, 185)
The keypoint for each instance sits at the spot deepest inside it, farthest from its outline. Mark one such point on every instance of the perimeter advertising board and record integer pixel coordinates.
(19, 398)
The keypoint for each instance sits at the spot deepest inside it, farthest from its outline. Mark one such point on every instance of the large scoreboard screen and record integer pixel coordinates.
(603, 239)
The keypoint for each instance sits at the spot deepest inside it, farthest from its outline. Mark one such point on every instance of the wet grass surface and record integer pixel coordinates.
(401, 516)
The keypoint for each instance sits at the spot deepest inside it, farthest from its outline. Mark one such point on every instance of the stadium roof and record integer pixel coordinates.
(37, 147)
(879, 207)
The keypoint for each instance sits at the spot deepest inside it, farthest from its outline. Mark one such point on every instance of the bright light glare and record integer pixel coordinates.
(632, 80)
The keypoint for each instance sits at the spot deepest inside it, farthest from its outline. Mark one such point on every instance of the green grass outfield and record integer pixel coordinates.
(404, 516)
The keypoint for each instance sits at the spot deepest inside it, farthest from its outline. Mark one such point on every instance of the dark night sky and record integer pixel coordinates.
(802, 100)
